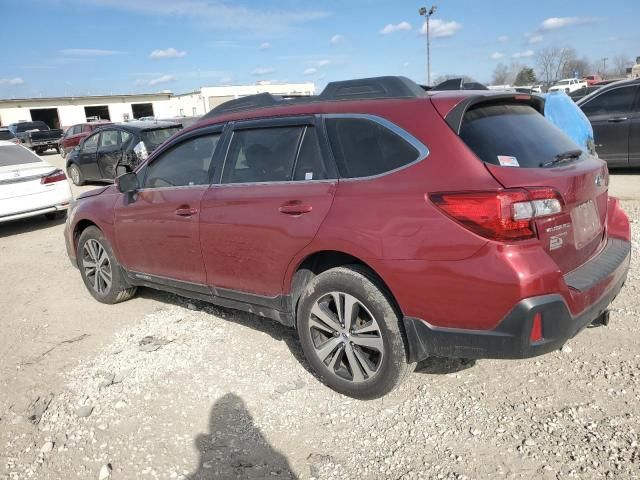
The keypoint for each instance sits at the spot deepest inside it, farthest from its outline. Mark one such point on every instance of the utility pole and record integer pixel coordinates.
(604, 66)
(427, 14)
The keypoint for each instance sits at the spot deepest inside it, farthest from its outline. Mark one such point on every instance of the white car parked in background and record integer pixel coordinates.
(568, 85)
(30, 186)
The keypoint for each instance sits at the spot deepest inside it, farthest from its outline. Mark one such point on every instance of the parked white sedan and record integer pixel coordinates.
(29, 186)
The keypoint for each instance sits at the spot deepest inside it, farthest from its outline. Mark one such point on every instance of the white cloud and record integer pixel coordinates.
(218, 14)
(496, 56)
(535, 39)
(89, 52)
(156, 81)
(167, 53)
(322, 63)
(526, 53)
(310, 71)
(263, 71)
(554, 23)
(265, 46)
(336, 39)
(11, 82)
(441, 28)
(391, 28)
(503, 39)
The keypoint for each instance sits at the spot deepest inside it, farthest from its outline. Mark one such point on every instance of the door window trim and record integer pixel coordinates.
(597, 94)
(175, 144)
(423, 150)
(304, 121)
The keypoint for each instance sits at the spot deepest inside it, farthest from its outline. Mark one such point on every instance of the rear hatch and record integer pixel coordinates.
(522, 150)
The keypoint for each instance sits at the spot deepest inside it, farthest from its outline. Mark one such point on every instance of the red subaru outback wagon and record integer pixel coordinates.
(382, 222)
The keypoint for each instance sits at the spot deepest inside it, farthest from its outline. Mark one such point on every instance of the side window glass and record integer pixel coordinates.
(110, 140)
(614, 102)
(185, 164)
(310, 165)
(125, 137)
(363, 148)
(262, 155)
(91, 143)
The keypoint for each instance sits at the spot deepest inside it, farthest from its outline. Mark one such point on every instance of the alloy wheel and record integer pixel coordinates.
(97, 267)
(75, 174)
(346, 337)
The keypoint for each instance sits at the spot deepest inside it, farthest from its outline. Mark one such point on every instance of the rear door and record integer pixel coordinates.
(610, 115)
(275, 191)
(87, 157)
(634, 135)
(516, 143)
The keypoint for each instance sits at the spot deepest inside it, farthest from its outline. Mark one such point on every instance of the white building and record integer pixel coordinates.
(62, 112)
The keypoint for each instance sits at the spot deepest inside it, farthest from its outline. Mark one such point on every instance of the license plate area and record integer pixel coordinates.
(586, 223)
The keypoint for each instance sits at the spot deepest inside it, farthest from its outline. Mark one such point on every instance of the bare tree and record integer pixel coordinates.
(553, 63)
(619, 65)
(500, 75)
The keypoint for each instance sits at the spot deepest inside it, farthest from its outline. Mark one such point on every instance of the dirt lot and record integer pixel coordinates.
(162, 387)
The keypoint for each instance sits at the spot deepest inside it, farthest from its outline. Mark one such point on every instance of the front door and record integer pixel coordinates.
(109, 153)
(157, 229)
(610, 114)
(274, 193)
(634, 135)
(87, 157)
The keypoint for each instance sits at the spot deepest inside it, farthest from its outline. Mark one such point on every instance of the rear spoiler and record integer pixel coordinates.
(456, 115)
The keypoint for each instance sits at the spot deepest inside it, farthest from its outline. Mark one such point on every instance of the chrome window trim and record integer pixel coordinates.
(597, 94)
(423, 150)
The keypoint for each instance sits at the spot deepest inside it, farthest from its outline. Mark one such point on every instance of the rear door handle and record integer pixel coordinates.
(295, 208)
(186, 211)
(617, 119)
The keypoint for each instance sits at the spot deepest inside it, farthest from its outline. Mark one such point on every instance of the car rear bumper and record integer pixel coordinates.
(511, 337)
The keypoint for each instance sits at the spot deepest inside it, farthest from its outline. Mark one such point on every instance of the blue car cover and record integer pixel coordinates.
(562, 111)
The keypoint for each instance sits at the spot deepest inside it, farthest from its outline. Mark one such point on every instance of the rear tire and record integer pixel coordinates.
(362, 355)
(100, 270)
(75, 174)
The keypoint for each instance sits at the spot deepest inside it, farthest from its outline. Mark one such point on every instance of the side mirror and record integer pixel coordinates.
(128, 183)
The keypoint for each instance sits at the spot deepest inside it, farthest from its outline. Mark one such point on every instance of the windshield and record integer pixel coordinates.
(16, 155)
(23, 127)
(154, 138)
(6, 135)
(513, 135)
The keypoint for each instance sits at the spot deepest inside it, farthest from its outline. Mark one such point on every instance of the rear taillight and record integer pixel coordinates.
(56, 176)
(502, 215)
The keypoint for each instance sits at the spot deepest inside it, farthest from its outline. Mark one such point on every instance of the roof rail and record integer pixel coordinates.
(359, 89)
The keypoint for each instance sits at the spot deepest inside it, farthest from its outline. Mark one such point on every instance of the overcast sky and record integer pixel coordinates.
(78, 47)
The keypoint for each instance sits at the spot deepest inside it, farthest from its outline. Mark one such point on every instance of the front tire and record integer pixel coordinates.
(75, 174)
(351, 334)
(100, 270)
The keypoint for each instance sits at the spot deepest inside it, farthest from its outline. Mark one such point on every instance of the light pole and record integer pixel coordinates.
(604, 67)
(427, 14)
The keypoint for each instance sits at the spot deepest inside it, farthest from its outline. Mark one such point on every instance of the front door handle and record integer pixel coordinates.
(617, 119)
(295, 208)
(186, 211)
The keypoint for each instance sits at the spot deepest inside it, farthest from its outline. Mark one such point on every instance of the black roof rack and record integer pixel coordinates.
(359, 89)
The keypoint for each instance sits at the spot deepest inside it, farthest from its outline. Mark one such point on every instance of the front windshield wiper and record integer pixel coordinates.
(562, 157)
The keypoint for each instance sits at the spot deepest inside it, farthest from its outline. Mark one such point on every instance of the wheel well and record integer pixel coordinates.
(81, 226)
(319, 262)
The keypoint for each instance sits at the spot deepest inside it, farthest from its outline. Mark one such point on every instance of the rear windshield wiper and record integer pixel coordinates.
(562, 157)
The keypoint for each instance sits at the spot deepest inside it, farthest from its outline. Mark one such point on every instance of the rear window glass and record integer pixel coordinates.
(513, 135)
(154, 138)
(16, 155)
(6, 135)
(363, 148)
(23, 127)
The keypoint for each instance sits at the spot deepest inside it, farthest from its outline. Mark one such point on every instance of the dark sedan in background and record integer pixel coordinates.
(98, 156)
(614, 113)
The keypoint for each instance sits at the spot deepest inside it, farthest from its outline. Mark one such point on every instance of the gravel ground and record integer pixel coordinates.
(164, 387)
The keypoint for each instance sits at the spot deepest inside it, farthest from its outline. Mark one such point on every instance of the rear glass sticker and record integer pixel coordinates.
(308, 176)
(507, 161)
